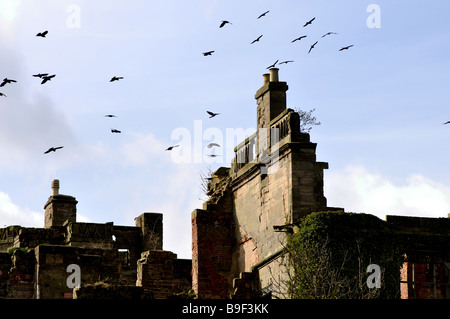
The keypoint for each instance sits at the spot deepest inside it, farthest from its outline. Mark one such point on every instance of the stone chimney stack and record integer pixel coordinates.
(270, 98)
(271, 101)
(59, 208)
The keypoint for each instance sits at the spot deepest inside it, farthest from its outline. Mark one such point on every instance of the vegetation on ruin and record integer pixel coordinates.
(330, 251)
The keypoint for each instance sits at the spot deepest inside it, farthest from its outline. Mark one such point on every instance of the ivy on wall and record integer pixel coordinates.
(329, 253)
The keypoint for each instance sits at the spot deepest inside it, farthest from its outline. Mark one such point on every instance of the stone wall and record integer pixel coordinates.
(160, 272)
(96, 265)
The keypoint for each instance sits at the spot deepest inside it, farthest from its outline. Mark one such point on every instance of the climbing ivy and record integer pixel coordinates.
(329, 253)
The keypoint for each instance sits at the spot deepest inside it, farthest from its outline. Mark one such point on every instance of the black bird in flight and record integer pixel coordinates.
(328, 33)
(1, 94)
(42, 34)
(309, 22)
(345, 48)
(171, 147)
(223, 23)
(53, 149)
(6, 81)
(47, 78)
(110, 115)
(263, 14)
(257, 39)
(273, 65)
(212, 114)
(116, 78)
(212, 155)
(212, 145)
(312, 47)
(115, 131)
(207, 53)
(286, 62)
(299, 38)
(448, 122)
(40, 75)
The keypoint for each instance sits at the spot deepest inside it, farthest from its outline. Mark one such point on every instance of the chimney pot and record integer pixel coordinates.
(273, 75)
(266, 78)
(55, 187)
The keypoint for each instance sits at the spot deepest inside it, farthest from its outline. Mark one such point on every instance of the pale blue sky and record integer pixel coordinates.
(381, 103)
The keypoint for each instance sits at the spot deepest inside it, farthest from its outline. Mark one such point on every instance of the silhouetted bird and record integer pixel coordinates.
(212, 155)
(6, 81)
(286, 62)
(345, 48)
(257, 39)
(208, 53)
(309, 22)
(115, 131)
(171, 147)
(223, 23)
(212, 114)
(328, 33)
(312, 47)
(110, 115)
(212, 145)
(263, 14)
(448, 122)
(53, 149)
(273, 65)
(1, 94)
(47, 78)
(40, 75)
(42, 34)
(299, 38)
(116, 78)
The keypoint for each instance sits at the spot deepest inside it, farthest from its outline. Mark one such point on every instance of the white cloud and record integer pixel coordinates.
(357, 190)
(12, 214)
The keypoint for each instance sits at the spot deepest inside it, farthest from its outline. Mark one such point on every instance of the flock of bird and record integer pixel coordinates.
(45, 77)
(224, 22)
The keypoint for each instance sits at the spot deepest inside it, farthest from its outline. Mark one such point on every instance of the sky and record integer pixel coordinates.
(381, 104)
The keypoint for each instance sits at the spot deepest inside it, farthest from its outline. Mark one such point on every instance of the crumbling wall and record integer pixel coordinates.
(160, 272)
(96, 265)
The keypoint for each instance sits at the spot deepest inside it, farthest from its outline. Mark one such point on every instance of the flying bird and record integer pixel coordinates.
(212, 145)
(110, 115)
(212, 155)
(286, 62)
(115, 131)
(1, 94)
(53, 149)
(312, 47)
(448, 122)
(299, 38)
(116, 78)
(6, 81)
(212, 114)
(207, 53)
(171, 147)
(262, 15)
(309, 22)
(47, 78)
(42, 34)
(345, 48)
(40, 75)
(223, 23)
(273, 65)
(257, 39)
(328, 33)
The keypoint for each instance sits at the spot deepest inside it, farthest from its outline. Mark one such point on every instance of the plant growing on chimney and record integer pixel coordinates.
(306, 120)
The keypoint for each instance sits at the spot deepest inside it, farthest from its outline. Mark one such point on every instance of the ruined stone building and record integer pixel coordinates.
(237, 237)
(114, 261)
(274, 181)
